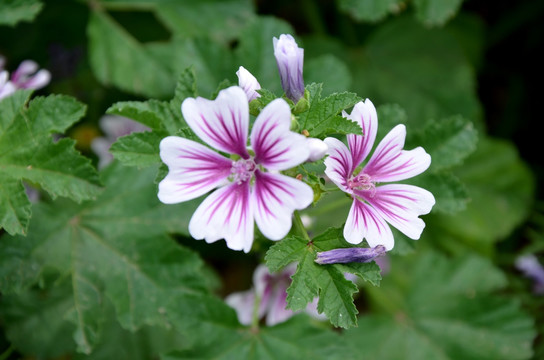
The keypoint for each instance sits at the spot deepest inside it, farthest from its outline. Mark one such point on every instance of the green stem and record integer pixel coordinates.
(298, 228)
(255, 315)
(7, 353)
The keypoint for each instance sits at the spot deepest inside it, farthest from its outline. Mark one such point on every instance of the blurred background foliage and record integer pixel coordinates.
(474, 65)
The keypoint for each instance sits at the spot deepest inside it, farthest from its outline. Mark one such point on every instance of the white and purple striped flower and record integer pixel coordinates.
(26, 76)
(249, 186)
(290, 58)
(374, 206)
(270, 295)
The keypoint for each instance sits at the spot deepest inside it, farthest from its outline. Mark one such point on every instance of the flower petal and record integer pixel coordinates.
(249, 83)
(275, 197)
(338, 165)
(401, 204)
(365, 222)
(37, 81)
(364, 113)
(275, 146)
(277, 311)
(226, 214)
(243, 302)
(390, 163)
(194, 170)
(222, 123)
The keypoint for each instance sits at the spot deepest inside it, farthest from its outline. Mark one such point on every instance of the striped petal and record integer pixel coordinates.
(338, 165)
(222, 123)
(390, 163)
(243, 303)
(226, 214)
(275, 146)
(364, 113)
(194, 170)
(275, 197)
(364, 222)
(401, 204)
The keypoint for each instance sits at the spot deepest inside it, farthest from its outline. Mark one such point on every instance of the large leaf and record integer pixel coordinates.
(219, 20)
(27, 151)
(404, 63)
(293, 339)
(444, 309)
(501, 189)
(326, 281)
(114, 247)
(119, 59)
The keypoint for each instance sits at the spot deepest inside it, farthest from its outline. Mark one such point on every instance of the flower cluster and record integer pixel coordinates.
(26, 76)
(248, 183)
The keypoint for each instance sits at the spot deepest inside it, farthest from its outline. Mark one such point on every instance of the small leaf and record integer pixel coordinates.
(138, 149)
(14, 11)
(326, 281)
(436, 12)
(323, 117)
(15, 208)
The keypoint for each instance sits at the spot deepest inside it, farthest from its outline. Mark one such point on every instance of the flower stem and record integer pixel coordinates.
(298, 228)
(7, 353)
(255, 315)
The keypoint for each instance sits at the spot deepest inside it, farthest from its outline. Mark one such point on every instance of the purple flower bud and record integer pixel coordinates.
(289, 58)
(349, 255)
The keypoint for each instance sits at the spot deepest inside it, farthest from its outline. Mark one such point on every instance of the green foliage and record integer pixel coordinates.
(112, 248)
(444, 309)
(326, 281)
(436, 12)
(324, 115)
(27, 151)
(293, 338)
(369, 10)
(14, 11)
(398, 65)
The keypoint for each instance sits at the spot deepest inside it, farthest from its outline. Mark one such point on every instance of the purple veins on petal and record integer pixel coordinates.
(290, 58)
(275, 146)
(193, 170)
(221, 123)
(249, 83)
(349, 255)
(274, 198)
(227, 213)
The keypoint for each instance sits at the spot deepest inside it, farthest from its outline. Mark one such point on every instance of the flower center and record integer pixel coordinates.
(362, 182)
(242, 170)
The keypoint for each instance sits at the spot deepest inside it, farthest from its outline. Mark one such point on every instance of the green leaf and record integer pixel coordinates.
(114, 247)
(329, 70)
(326, 281)
(41, 313)
(120, 60)
(436, 12)
(448, 141)
(398, 65)
(14, 11)
(221, 21)
(323, 116)
(15, 208)
(439, 308)
(449, 192)
(294, 338)
(369, 10)
(138, 149)
(501, 189)
(27, 151)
